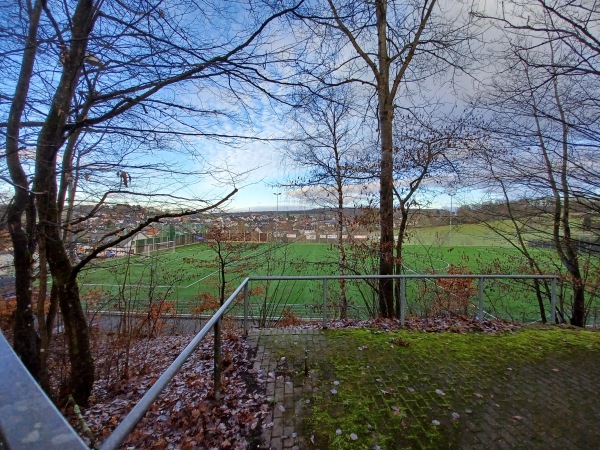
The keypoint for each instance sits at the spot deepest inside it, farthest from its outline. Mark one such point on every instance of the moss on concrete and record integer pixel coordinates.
(422, 390)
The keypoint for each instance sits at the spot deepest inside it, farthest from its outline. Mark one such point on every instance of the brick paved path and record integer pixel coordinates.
(549, 404)
(286, 394)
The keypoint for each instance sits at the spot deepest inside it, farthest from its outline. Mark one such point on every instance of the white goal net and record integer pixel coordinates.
(160, 246)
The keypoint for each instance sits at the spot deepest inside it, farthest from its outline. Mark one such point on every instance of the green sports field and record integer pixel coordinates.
(189, 275)
(190, 269)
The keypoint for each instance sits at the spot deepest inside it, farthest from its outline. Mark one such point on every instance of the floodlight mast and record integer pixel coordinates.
(277, 194)
(277, 205)
(451, 194)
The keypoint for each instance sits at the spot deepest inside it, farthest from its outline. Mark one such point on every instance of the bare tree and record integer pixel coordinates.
(569, 31)
(541, 22)
(328, 148)
(128, 59)
(522, 215)
(385, 46)
(531, 107)
(231, 258)
(424, 150)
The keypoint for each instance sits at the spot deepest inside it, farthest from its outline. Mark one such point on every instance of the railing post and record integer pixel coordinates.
(480, 298)
(402, 300)
(246, 306)
(325, 303)
(217, 361)
(397, 297)
(553, 302)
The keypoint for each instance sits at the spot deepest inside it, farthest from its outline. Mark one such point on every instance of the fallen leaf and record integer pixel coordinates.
(185, 416)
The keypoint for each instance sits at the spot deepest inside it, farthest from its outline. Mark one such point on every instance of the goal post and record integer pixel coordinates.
(160, 247)
(164, 246)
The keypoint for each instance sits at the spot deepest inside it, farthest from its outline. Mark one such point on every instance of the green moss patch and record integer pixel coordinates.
(422, 390)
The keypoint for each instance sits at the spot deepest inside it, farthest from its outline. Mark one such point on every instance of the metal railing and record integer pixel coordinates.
(121, 432)
(28, 419)
(135, 415)
(402, 302)
(52, 421)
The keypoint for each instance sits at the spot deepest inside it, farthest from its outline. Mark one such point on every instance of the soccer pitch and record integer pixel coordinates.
(190, 269)
(192, 272)
(189, 274)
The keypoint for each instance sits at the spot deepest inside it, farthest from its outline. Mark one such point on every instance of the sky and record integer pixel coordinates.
(259, 189)
(263, 165)
(266, 168)
(265, 173)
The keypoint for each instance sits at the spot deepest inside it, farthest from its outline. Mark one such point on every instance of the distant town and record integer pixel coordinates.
(319, 225)
(315, 225)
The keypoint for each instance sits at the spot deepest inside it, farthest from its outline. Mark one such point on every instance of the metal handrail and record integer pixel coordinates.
(403, 277)
(399, 276)
(118, 436)
(135, 415)
(24, 406)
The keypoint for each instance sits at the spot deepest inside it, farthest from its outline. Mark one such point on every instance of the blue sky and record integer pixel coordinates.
(262, 163)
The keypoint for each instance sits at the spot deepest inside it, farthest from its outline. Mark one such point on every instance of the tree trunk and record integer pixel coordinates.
(22, 207)
(41, 317)
(565, 245)
(50, 141)
(399, 245)
(386, 215)
(80, 356)
(340, 234)
(578, 309)
(217, 360)
(67, 291)
(386, 181)
(342, 261)
(26, 340)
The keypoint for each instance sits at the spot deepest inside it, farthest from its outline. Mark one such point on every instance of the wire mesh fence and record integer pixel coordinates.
(281, 301)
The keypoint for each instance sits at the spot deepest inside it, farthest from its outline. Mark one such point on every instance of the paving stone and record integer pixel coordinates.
(530, 406)
(276, 444)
